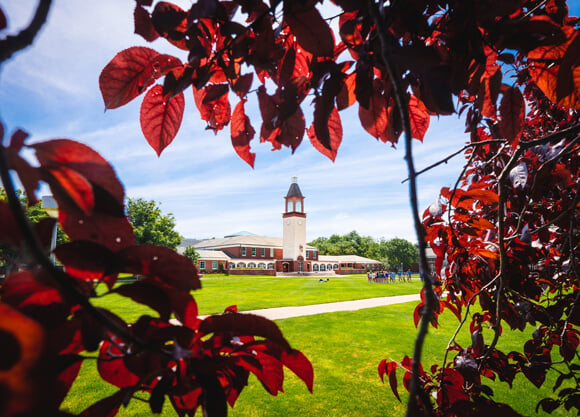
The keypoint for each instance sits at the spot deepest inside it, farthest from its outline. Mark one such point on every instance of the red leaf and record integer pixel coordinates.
(300, 365)
(392, 372)
(85, 260)
(147, 293)
(170, 21)
(112, 367)
(242, 133)
(73, 185)
(374, 119)
(184, 307)
(29, 175)
(390, 368)
(333, 129)
(417, 313)
(244, 325)
(144, 24)
(54, 154)
(347, 97)
(25, 290)
(9, 230)
(130, 72)
(111, 231)
(484, 196)
(161, 117)
(511, 110)
(127, 75)
(214, 92)
(217, 112)
(242, 85)
(419, 118)
(311, 30)
(17, 139)
(271, 374)
(3, 22)
(451, 307)
(288, 132)
(164, 264)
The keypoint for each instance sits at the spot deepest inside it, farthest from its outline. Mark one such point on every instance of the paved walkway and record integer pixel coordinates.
(297, 311)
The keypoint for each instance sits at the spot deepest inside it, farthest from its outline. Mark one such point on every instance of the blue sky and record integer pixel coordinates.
(51, 91)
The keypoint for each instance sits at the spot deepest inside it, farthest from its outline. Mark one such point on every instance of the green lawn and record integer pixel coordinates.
(345, 349)
(250, 293)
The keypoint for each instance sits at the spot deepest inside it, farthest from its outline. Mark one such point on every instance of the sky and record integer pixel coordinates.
(51, 91)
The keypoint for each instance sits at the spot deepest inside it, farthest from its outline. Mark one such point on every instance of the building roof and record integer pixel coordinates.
(347, 259)
(212, 255)
(244, 240)
(242, 233)
(188, 242)
(294, 190)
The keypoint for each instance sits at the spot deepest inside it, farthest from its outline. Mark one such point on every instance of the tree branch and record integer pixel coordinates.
(430, 298)
(12, 44)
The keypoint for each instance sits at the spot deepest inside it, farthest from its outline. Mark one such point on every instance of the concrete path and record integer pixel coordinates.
(297, 311)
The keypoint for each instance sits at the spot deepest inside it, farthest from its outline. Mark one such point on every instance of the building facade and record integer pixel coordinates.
(245, 253)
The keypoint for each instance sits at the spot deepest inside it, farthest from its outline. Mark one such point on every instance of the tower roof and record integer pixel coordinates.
(294, 190)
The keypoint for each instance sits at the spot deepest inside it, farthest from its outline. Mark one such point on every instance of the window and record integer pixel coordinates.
(271, 252)
(201, 264)
(263, 252)
(298, 206)
(329, 267)
(262, 265)
(288, 206)
(323, 267)
(241, 265)
(214, 265)
(335, 266)
(243, 251)
(233, 265)
(251, 265)
(253, 251)
(315, 267)
(270, 266)
(307, 254)
(313, 254)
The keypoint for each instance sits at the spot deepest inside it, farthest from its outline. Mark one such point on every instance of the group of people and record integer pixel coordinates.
(389, 276)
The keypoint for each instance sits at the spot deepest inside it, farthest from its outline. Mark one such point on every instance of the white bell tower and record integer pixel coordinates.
(294, 223)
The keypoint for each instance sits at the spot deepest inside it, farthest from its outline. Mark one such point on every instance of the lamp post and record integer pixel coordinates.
(48, 204)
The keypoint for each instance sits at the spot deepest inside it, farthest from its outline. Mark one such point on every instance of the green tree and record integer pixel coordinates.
(151, 225)
(400, 252)
(191, 253)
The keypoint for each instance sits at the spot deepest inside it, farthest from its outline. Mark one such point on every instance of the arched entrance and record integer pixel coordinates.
(285, 267)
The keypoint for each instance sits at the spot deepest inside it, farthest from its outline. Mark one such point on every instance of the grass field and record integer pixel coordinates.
(345, 349)
(250, 293)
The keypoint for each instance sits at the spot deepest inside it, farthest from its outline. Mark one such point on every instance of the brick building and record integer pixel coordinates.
(246, 253)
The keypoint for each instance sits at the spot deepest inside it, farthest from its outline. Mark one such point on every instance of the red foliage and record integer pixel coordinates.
(506, 237)
(47, 320)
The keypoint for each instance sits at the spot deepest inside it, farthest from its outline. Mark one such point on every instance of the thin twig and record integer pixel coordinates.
(454, 154)
(12, 44)
(430, 299)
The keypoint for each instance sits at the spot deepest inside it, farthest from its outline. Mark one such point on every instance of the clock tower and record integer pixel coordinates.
(294, 225)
